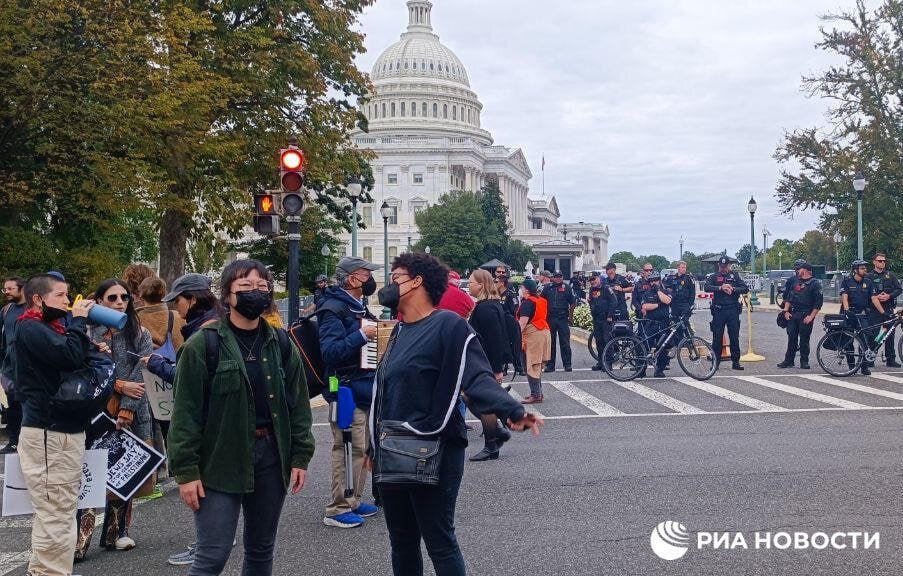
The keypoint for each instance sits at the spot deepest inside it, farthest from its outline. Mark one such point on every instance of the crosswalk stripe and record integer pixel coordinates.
(588, 400)
(10, 561)
(529, 407)
(15, 522)
(852, 386)
(802, 392)
(888, 377)
(659, 398)
(729, 394)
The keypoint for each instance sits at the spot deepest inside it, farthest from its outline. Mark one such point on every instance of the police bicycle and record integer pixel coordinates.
(626, 356)
(618, 327)
(847, 345)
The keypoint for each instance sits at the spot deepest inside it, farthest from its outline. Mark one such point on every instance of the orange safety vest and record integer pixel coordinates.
(542, 312)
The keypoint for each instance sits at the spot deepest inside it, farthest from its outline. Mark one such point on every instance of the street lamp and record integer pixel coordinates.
(780, 259)
(765, 235)
(386, 212)
(324, 251)
(409, 238)
(751, 206)
(859, 183)
(354, 191)
(837, 240)
(427, 249)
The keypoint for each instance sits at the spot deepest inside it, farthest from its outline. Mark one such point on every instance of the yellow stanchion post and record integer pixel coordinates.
(750, 356)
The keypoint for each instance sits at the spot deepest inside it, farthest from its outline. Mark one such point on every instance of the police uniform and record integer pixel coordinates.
(618, 280)
(859, 294)
(683, 294)
(561, 301)
(510, 303)
(640, 287)
(803, 298)
(602, 304)
(726, 309)
(885, 283)
(655, 321)
(577, 286)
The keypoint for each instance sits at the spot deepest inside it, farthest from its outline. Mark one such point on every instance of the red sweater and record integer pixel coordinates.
(456, 300)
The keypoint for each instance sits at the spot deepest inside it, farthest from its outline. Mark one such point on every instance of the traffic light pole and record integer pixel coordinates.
(294, 242)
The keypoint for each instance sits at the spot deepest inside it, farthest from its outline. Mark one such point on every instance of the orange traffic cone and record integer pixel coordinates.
(725, 347)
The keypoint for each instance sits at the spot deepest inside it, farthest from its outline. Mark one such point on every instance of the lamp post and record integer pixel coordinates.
(859, 183)
(765, 235)
(780, 259)
(409, 238)
(325, 252)
(354, 192)
(386, 212)
(751, 207)
(681, 257)
(837, 240)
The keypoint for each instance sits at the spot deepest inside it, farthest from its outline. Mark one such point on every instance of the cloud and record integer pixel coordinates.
(659, 119)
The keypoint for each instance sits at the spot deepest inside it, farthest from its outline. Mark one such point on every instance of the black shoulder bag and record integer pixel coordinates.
(402, 456)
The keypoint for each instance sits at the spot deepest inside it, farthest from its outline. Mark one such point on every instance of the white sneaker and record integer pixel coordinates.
(124, 543)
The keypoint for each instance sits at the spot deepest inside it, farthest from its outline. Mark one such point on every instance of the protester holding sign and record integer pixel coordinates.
(133, 411)
(51, 445)
(240, 433)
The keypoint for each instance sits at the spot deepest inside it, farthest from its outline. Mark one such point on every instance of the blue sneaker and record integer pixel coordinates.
(346, 520)
(366, 510)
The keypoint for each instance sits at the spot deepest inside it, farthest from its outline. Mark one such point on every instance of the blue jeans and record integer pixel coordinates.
(414, 512)
(217, 519)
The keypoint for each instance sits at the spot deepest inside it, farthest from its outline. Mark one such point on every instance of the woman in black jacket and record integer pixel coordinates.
(488, 321)
(432, 358)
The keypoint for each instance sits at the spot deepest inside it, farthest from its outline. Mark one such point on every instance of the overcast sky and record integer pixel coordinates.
(658, 118)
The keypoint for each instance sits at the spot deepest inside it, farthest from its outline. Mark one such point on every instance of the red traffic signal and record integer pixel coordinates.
(291, 169)
(265, 204)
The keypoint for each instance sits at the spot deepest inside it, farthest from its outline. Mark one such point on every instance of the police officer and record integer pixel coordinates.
(655, 310)
(640, 287)
(510, 303)
(856, 297)
(683, 291)
(801, 306)
(728, 287)
(578, 286)
(620, 286)
(561, 312)
(602, 304)
(787, 292)
(885, 289)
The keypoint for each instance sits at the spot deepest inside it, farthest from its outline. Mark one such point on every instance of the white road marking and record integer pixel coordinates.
(10, 561)
(887, 377)
(839, 402)
(729, 395)
(588, 400)
(852, 386)
(529, 407)
(660, 398)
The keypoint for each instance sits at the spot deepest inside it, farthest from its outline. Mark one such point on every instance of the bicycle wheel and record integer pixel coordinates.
(840, 353)
(624, 358)
(696, 358)
(591, 344)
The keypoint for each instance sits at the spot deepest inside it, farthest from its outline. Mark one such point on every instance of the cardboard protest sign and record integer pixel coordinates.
(159, 394)
(129, 460)
(91, 494)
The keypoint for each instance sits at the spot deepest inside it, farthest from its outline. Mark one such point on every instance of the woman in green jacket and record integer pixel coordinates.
(240, 434)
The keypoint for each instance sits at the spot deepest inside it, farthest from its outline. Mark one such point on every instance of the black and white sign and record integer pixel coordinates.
(129, 460)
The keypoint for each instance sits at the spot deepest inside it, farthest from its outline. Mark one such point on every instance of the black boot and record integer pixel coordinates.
(501, 435)
(490, 451)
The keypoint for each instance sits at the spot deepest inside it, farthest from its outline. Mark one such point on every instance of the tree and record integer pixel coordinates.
(816, 248)
(495, 221)
(171, 113)
(451, 228)
(517, 254)
(658, 262)
(743, 255)
(625, 258)
(865, 130)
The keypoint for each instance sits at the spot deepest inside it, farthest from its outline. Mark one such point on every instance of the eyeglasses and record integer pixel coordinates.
(395, 277)
(248, 286)
(115, 297)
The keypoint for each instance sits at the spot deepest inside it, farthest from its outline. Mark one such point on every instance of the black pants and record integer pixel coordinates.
(13, 417)
(727, 317)
(798, 336)
(512, 327)
(560, 330)
(428, 512)
(601, 334)
(890, 354)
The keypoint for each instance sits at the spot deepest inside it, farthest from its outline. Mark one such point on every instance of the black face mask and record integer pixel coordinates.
(390, 296)
(368, 287)
(50, 313)
(253, 303)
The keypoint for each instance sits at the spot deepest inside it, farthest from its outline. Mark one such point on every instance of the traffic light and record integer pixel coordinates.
(266, 217)
(291, 178)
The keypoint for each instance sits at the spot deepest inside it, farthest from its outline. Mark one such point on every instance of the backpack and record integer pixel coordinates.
(84, 392)
(167, 349)
(305, 333)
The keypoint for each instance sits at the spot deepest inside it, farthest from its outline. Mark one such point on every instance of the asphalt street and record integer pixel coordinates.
(763, 450)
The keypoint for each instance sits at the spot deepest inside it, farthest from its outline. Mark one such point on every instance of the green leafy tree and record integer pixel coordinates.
(658, 262)
(626, 258)
(743, 255)
(517, 254)
(865, 130)
(816, 248)
(495, 221)
(452, 227)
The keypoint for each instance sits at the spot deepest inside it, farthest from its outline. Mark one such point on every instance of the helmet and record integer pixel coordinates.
(857, 263)
(321, 278)
(798, 264)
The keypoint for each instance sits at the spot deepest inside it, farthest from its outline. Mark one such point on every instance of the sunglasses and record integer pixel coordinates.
(115, 297)
(880, 261)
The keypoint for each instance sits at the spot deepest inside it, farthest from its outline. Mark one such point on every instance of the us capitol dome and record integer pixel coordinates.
(425, 126)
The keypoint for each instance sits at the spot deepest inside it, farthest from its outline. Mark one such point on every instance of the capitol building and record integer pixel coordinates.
(426, 128)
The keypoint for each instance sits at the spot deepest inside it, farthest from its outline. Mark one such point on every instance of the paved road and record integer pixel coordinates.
(761, 450)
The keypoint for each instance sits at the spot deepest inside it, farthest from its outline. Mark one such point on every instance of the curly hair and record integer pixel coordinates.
(430, 268)
(134, 274)
(152, 290)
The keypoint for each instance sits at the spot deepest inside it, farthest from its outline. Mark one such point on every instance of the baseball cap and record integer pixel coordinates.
(190, 282)
(557, 275)
(530, 284)
(803, 265)
(724, 260)
(545, 273)
(349, 264)
(452, 275)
